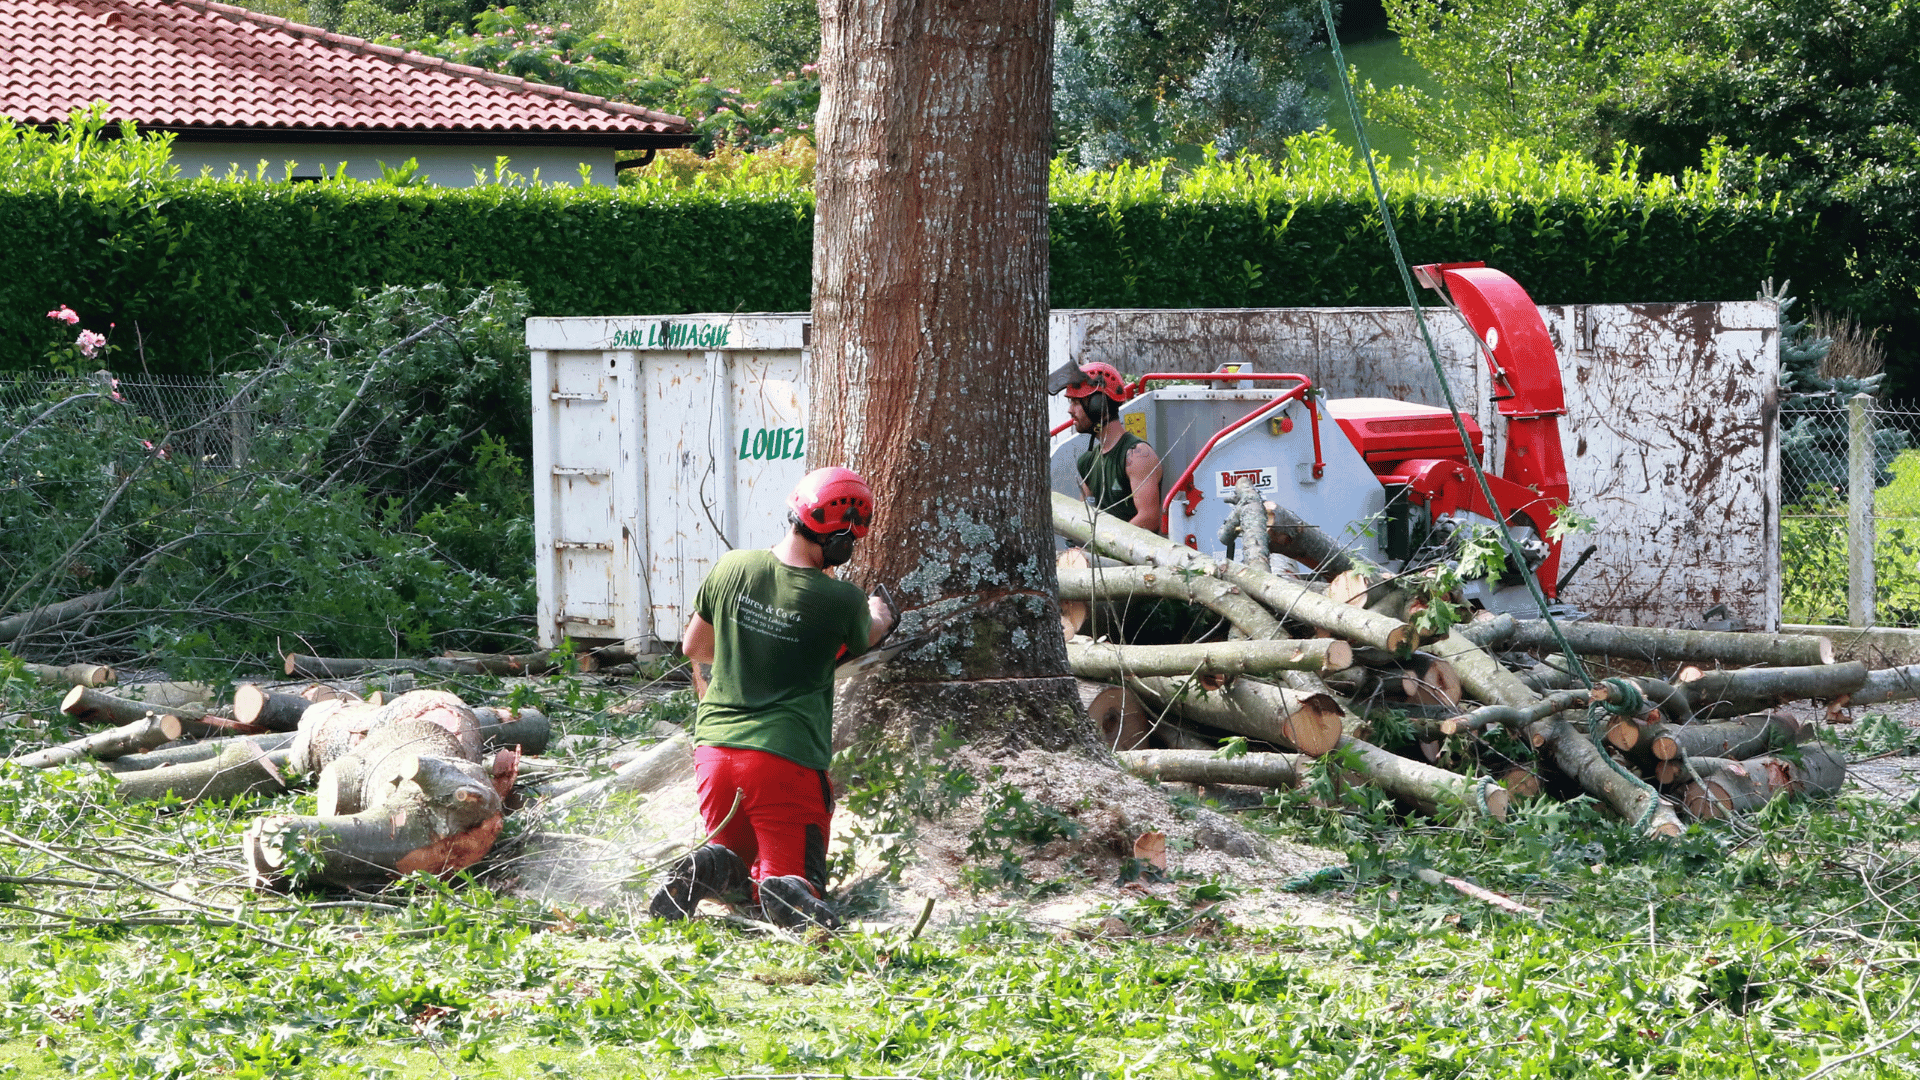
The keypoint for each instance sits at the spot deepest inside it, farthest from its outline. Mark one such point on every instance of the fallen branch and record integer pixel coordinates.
(52, 616)
(1727, 647)
(669, 761)
(240, 768)
(1433, 791)
(1111, 663)
(1206, 767)
(142, 734)
(1574, 755)
(73, 674)
(1119, 582)
(1730, 693)
(1469, 889)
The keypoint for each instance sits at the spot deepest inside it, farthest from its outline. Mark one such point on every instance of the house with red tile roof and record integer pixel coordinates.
(245, 91)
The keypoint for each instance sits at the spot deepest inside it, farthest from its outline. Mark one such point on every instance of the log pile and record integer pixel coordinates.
(1334, 665)
(417, 782)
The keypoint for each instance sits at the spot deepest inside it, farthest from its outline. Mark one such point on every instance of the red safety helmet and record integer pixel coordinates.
(829, 500)
(1099, 378)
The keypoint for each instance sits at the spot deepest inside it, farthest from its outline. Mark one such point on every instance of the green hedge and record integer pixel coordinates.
(198, 265)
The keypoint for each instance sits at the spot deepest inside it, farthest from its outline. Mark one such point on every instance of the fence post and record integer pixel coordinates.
(1860, 526)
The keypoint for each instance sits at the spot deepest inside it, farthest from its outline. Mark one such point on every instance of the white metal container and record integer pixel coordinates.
(659, 444)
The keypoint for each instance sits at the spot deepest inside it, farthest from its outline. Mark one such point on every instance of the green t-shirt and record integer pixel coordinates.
(778, 630)
(1106, 477)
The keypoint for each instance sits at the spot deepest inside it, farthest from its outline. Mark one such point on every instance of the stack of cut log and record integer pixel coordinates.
(1302, 667)
(417, 782)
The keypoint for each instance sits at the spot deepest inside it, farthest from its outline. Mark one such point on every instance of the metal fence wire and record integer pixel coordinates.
(194, 414)
(1850, 512)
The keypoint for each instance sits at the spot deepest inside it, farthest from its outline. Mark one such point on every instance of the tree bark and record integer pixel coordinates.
(1586, 765)
(667, 762)
(1244, 533)
(1203, 767)
(1111, 663)
(1307, 723)
(205, 750)
(1726, 787)
(1730, 693)
(1117, 582)
(1483, 677)
(1108, 535)
(526, 730)
(1647, 643)
(930, 351)
(1420, 679)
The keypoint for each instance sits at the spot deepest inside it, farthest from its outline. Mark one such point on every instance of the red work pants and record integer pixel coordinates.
(785, 814)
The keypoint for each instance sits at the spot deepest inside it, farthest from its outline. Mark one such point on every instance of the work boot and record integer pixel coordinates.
(708, 872)
(788, 901)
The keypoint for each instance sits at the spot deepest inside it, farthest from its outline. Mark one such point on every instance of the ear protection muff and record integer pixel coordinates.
(835, 547)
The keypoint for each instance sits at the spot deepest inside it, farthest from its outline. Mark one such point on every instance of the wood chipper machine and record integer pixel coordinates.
(1387, 480)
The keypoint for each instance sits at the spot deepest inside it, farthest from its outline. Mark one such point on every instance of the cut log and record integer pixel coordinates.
(168, 696)
(206, 750)
(1435, 792)
(1123, 722)
(1203, 767)
(1522, 782)
(1731, 648)
(332, 729)
(90, 706)
(1888, 684)
(1307, 723)
(1742, 738)
(1547, 676)
(1305, 543)
(1108, 535)
(1726, 787)
(1730, 693)
(1120, 582)
(1572, 753)
(259, 707)
(240, 768)
(1110, 663)
(1481, 676)
(73, 674)
(362, 778)
(525, 730)
(1421, 679)
(142, 734)
(441, 817)
(1073, 613)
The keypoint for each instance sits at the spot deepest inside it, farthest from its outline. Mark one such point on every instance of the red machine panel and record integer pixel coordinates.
(1387, 432)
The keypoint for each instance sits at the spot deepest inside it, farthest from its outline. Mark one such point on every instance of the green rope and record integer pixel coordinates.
(1576, 668)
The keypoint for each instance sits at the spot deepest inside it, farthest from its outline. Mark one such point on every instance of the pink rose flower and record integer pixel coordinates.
(90, 343)
(65, 314)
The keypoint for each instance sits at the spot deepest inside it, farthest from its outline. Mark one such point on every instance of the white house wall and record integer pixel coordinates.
(445, 166)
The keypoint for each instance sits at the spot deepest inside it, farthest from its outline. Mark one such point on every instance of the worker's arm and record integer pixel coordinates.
(697, 644)
(881, 620)
(1143, 472)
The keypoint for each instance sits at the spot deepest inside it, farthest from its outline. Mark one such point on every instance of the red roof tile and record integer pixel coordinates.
(199, 65)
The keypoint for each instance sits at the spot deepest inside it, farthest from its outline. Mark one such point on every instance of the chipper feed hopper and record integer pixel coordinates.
(1387, 480)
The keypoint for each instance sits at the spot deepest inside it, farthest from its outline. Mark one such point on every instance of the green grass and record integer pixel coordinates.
(1757, 949)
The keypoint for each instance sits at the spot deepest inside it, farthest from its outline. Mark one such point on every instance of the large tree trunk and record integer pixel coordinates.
(930, 351)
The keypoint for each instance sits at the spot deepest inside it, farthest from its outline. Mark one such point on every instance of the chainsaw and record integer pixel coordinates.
(890, 646)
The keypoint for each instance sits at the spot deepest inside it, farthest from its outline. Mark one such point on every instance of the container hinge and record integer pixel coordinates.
(595, 399)
(580, 472)
(588, 545)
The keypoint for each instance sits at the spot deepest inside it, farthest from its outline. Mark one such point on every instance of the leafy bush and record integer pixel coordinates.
(345, 495)
(187, 268)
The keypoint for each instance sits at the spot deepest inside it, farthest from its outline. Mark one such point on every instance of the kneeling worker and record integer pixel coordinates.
(774, 625)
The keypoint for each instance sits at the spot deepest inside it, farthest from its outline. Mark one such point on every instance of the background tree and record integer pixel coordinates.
(930, 348)
(1134, 77)
(1823, 94)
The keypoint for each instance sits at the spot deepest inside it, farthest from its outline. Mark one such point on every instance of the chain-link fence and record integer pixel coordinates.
(1850, 512)
(194, 414)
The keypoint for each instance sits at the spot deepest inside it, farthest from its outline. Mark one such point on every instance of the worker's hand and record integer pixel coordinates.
(882, 615)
